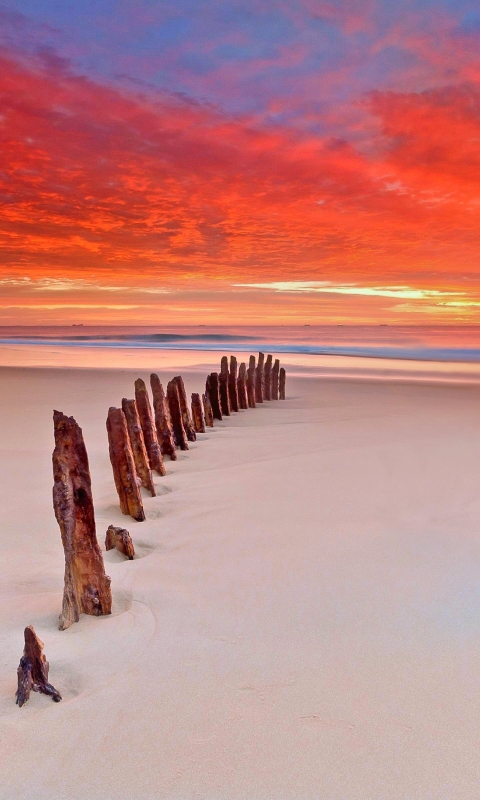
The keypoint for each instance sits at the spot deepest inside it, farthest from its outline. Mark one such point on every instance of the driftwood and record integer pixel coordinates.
(212, 390)
(232, 384)
(186, 416)
(251, 382)
(259, 379)
(268, 378)
(207, 411)
(176, 415)
(223, 386)
(163, 421)
(123, 465)
(281, 389)
(120, 539)
(152, 445)
(242, 386)
(86, 588)
(33, 670)
(197, 414)
(274, 388)
(137, 442)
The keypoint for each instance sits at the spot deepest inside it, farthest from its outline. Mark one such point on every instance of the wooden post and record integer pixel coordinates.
(152, 445)
(268, 378)
(137, 442)
(33, 670)
(186, 416)
(213, 392)
(197, 413)
(282, 384)
(251, 382)
(120, 539)
(223, 386)
(163, 421)
(232, 384)
(123, 465)
(275, 371)
(207, 411)
(86, 587)
(259, 379)
(242, 386)
(176, 415)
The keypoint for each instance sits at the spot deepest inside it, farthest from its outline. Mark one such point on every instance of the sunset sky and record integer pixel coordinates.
(240, 162)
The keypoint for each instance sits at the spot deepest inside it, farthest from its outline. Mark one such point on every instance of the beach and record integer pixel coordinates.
(302, 616)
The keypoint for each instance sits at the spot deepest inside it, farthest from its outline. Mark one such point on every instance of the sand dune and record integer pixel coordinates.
(302, 617)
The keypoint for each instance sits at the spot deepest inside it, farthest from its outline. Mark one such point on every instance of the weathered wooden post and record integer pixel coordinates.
(283, 378)
(259, 379)
(32, 672)
(197, 413)
(232, 384)
(86, 587)
(163, 421)
(242, 386)
(120, 539)
(275, 371)
(123, 465)
(152, 445)
(212, 389)
(207, 411)
(176, 415)
(223, 386)
(137, 442)
(251, 382)
(268, 378)
(186, 416)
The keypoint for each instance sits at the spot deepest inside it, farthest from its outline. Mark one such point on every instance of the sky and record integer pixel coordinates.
(240, 162)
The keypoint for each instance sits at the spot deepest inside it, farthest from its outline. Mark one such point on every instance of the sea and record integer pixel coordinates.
(414, 352)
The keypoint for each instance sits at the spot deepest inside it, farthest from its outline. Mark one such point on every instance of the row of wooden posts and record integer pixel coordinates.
(139, 439)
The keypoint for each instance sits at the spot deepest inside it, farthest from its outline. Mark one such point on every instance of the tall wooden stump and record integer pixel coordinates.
(176, 415)
(86, 588)
(212, 390)
(33, 670)
(268, 378)
(259, 379)
(207, 411)
(281, 390)
(232, 384)
(163, 420)
(197, 413)
(186, 416)
(137, 442)
(152, 445)
(123, 465)
(242, 386)
(223, 386)
(251, 382)
(275, 371)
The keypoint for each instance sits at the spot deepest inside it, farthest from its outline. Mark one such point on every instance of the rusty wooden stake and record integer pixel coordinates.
(212, 390)
(152, 445)
(120, 539)
(197, 413)
(123, 465)
(223, 386)
(275, 371)
(207, 411)
(86, 587)
(242, 386)
(137, 442)
(283, 377)
(251, 382)
(259, 379)
(176, 415)
(33, 670)
(163, 420)
(268, 378)
(186, 416)
(232, 384)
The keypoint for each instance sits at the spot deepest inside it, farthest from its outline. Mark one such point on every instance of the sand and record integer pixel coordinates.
(302, 620)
